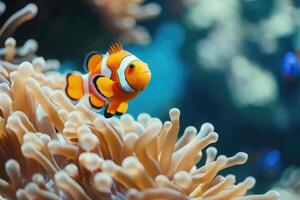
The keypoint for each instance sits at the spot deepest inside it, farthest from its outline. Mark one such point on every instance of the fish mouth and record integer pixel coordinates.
(146, 72)
(144, 79)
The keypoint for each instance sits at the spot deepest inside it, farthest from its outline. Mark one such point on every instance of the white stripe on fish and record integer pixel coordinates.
(121, 73)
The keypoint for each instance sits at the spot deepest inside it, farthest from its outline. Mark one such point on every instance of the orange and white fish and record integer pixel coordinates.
(113, 79)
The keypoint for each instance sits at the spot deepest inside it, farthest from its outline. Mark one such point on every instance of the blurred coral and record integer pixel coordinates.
(250, 84)
(214, 14)
(122, 17)
(289, 185)
(230, 35)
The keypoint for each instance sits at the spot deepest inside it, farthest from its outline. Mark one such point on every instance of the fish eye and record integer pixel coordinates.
(131, 66)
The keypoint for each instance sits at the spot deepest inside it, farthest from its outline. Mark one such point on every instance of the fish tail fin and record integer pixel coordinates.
(75, 86)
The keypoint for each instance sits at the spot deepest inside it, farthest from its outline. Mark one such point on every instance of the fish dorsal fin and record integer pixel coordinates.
(92, 61)
(115, 47)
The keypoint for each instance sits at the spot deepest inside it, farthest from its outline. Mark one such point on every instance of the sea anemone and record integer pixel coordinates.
(51, 149)
(10, 52)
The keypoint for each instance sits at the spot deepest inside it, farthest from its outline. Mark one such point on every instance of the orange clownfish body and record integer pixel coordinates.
(113, 79)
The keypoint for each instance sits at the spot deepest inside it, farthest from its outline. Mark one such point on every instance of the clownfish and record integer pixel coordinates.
(112, 80)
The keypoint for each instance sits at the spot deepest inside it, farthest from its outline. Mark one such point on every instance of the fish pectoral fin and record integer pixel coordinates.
(92, 61)
(122, 108)
(104, 86)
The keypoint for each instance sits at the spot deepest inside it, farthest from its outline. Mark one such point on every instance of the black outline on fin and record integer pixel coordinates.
(93, 106)
(107, 114)
(86, 59)
(119, 113)
(95, 85)
(67, 85)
